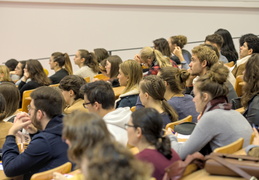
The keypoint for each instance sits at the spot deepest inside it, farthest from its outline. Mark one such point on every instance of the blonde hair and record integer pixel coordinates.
(155, 55)
(133, 71)
(6, 73)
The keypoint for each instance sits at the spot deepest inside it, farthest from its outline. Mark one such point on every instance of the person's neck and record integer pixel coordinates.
(203, 72)
(81, 65)
(156, 104)
(103, 112)
(57, 68)
(169, 94)
(44, 122)
(144, 145)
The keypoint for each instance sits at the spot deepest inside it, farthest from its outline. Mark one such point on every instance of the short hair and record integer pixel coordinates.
(115, 63)
(74, 83)
(11, 64)
(101, 92)
(253, 43)
(179, 40)
(214, 81)
(12, 97)
(90, 59)
(242, 38)
(176, 78)
(215, 38)
(151, 124)
(155, 87)
(113, 161)
(162, 45)
(84, 131)
(6, 73)
(205, 53)
(63, 60)
(101, 54)
(251, 75)
(2, 107)
(48, 100)
(133, 71)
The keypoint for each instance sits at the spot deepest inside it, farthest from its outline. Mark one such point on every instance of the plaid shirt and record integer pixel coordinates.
(155, 68)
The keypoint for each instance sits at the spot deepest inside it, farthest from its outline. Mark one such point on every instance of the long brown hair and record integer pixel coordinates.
(90, 60)
(63, 60)
(37, 73)
(251, 87)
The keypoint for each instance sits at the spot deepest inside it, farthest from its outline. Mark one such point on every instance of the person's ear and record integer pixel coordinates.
(205, 96)
(250, 51)
(146, 95)
(204, 63)
(71, 93)
(138, 132)
(82, 60)
(39, 114)
(97, 106)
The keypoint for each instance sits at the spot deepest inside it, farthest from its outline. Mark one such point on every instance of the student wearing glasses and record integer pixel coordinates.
(100, 99)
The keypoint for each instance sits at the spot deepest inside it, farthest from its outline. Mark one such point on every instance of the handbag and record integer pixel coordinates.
(185, 128)
(232, 165)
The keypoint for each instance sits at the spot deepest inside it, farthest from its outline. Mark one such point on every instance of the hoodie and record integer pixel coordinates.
(46, 151)
(115, 121)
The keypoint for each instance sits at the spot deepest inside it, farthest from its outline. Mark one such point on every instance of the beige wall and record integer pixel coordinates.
(35, 29)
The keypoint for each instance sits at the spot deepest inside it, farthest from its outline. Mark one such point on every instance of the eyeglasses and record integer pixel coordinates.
(29, 107)
(85, 104)
(126, 126)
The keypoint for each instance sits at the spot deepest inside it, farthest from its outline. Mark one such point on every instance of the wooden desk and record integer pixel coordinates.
(3, 176)
(203, 175)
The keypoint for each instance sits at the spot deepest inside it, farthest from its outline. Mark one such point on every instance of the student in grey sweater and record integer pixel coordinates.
(218, 125)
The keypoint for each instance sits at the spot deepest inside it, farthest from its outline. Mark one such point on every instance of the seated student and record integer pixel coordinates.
(87, 63)
(61, 64)
(152, 90)
(4, 126)
(70, 88)
(12, 98)
(101, 54)
(216, 40)
(153, 59)
(112, 69)
(130, 74)
(19, 70)
(83, 132)
(11, 64)
(33, 77)
(175, 80)
(250, 99)
(180, 55)
(145, 132)
(112, 161)
(47, 149)
(219, 125)
(99, 98)
(4, 74)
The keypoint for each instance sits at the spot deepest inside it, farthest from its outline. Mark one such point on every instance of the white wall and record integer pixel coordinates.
(35, 28)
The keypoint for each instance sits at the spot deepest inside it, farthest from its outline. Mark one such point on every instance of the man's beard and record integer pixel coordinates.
(36, 122)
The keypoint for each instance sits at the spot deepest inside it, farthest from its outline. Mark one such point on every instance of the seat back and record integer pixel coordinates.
(186, 119)
(101, 77)
(26, 99)
(230, 64)
(231, 148)
(241, 110)
(46, 71)
(252, 138)
(48, 175)
(118, 91)
(133, 108)
(239, 85)
(87, 79)
(54, 85)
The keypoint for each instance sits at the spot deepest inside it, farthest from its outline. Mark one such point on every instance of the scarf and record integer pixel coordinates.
(220, 102)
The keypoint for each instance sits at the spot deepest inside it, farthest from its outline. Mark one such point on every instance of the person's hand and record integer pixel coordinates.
(21, 120)
(170, 131)
(58, 176)
(256, 138)
(31, 129)
(178, 52)
(137, 58)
